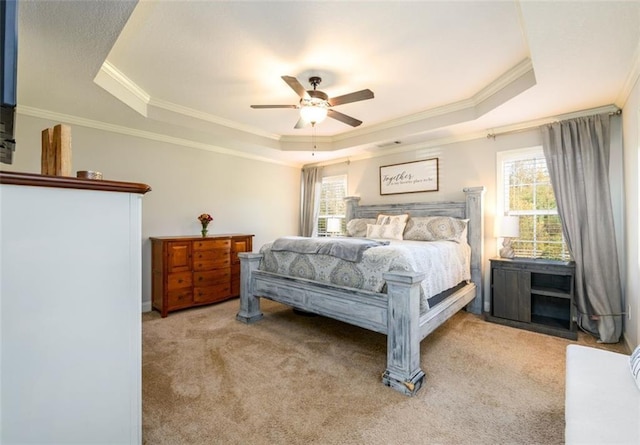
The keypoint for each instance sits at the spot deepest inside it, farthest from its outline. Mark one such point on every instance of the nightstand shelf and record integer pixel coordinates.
(550, 292)
(533, 294)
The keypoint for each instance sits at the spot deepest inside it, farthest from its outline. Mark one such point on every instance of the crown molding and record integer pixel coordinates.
(201, 115)
(119, 85)
(119, 129)
(126, 90)
(475, 135)
(473, 104)
(524, 126)
(123, 88)
(503, 82)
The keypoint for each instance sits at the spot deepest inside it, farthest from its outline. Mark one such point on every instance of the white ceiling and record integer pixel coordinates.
(188, 71)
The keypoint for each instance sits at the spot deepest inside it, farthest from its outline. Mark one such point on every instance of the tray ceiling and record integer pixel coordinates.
(189, 70)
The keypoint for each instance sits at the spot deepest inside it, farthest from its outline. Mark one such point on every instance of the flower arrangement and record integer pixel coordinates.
(204, 219)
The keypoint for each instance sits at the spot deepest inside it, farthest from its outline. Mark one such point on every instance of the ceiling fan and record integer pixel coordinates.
(315, 105)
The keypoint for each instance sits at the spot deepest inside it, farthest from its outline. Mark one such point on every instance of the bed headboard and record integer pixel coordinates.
(471, 208)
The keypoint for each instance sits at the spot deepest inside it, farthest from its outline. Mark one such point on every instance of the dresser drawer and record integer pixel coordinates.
(220, 263)
(211, 293)
(179, 298)
(210, 255)
(220, 276)
(179, 280)
(224, 244)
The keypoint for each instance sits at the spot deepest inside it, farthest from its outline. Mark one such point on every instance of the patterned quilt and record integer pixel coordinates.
(446, 264)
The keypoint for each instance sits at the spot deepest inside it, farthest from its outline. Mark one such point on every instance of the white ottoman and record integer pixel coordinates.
(602, 402)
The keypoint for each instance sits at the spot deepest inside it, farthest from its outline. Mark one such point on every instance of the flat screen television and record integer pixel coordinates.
(8, 77)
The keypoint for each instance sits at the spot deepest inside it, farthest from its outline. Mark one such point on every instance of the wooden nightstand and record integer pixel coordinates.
(533, 294)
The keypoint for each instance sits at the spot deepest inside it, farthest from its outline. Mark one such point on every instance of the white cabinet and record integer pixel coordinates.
(70, 272)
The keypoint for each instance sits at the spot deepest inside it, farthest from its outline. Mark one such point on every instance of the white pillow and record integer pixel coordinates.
(385, 231)
(392, 219)
(634, 364)
(358, 227)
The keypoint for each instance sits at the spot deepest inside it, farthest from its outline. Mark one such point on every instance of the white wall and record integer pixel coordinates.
(242, 195)
(631, 140)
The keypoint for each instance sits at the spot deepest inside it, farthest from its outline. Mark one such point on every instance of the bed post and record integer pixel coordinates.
(249, 304)
(403, 371)
(474, 212)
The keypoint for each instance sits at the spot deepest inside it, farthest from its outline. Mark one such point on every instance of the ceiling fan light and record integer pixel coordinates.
(312, 113)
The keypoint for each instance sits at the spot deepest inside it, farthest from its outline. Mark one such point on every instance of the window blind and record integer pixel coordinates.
(332, 205)
(528, 194)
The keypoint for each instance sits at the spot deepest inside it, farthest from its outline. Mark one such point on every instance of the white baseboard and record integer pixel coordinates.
(146, 306)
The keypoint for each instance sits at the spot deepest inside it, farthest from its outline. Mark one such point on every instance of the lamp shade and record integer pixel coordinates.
(333, 225)
(509, 227)
(313, 113)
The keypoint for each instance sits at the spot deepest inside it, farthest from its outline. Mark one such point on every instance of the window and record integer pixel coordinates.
(524, 190)
(332, 206)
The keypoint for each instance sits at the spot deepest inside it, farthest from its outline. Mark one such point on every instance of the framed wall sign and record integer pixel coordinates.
(410, 177)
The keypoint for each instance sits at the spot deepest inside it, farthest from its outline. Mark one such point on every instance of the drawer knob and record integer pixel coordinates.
(179, 281)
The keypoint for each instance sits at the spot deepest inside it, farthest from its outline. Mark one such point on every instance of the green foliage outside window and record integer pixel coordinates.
(529, 195)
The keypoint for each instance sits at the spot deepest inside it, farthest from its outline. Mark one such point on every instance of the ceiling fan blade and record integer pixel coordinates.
(351, 97)
(343, 118)
(296, 86)
(274, 106)
(300, 124)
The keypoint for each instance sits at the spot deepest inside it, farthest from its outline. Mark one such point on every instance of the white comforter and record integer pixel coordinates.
(446, 263)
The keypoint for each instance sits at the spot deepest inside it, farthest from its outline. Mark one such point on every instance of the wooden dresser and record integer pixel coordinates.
(194, 270)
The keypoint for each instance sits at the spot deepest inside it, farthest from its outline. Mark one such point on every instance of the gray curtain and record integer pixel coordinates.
(577, 154)
(311, 188)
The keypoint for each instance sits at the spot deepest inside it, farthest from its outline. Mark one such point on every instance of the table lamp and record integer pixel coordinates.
(334, 226)
(509, 228)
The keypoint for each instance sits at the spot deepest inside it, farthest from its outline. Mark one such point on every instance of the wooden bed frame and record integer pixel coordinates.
(396, 313)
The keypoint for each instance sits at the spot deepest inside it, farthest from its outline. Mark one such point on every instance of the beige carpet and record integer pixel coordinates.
(291, 379)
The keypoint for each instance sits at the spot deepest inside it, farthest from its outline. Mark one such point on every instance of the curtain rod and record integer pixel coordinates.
(493, 135)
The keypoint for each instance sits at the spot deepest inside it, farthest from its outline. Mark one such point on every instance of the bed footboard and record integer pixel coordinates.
(403, 371)
(249, 304)
(395, 314)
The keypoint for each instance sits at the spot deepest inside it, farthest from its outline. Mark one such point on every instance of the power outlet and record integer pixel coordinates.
(629, 312)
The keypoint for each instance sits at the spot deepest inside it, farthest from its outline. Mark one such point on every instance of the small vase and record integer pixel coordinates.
(204, 232)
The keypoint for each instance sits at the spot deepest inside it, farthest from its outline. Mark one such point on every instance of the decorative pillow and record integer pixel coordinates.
(634, 364)
(385, 231)
(358, 226)
(464, 236)
(392, 219)
(436, 228)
